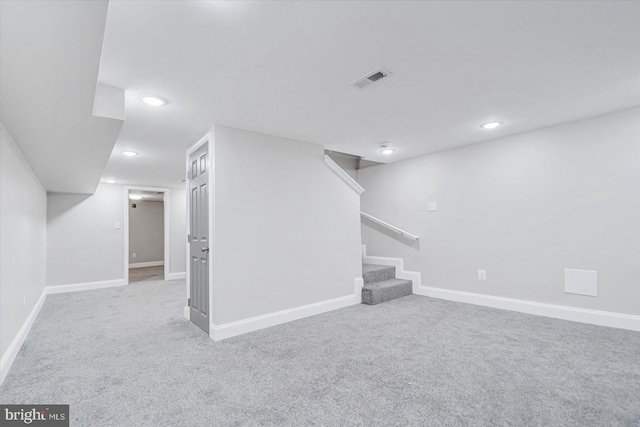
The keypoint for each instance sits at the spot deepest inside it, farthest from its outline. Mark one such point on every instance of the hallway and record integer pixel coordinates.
(146, 273)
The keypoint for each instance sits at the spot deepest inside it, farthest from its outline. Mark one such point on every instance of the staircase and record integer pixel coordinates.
(380, 284)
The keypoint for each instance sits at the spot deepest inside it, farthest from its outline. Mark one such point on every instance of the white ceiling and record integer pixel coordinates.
(283, 68)
(50, 55)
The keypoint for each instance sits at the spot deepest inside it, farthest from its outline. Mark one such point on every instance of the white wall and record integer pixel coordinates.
(146, 231)
(523, 208)
(178, 230)
(23, 239)
(287, 228)
(83, 244)
(347, 163)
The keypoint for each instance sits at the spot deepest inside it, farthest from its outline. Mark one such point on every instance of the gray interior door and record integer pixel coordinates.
(199, 245)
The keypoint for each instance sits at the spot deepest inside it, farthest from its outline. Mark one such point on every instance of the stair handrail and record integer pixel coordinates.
(389, 226)
(342, 174)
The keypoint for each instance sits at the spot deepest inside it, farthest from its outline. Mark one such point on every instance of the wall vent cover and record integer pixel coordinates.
(370, 78)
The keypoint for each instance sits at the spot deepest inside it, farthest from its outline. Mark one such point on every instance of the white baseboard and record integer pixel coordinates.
(146, 264)
(232, 329)
(84, 286)
(187, 312)
(583, 315)
(358, 284)
(10, 355)
(177, 276)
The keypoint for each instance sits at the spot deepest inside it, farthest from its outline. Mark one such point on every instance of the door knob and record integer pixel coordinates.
(205, 249)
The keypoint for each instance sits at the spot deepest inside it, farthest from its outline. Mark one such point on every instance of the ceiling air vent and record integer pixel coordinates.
(370, 78)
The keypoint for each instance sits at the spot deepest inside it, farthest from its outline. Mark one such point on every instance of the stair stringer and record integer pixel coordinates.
(398, 263)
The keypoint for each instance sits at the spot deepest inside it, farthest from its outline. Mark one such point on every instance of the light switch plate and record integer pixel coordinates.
(433, 206)
(117, 225)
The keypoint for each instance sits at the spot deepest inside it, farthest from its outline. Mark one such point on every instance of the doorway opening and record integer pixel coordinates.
(146, 234)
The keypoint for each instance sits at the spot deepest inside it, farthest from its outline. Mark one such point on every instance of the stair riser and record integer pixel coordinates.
(379, 275)
(377, 296)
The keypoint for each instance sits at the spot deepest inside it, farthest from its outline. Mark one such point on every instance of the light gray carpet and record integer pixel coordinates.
(146, 273)
(381, 285)
(126, 357)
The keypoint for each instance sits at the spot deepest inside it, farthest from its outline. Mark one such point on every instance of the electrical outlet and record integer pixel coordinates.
(433, 206)
(24, 300)
(482, 274)
(117, 225)
(134, 255)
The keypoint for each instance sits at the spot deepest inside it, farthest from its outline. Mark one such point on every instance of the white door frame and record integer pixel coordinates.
(206, 139)
(167, 229)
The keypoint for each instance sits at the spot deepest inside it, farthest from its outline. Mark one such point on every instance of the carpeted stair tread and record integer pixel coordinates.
(366, 268)
(386, 290)
(377, 273)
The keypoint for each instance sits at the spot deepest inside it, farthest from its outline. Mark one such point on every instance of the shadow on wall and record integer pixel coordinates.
(64, 203)
(414, 244)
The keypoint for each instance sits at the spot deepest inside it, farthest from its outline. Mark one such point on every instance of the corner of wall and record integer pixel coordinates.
(23, 244)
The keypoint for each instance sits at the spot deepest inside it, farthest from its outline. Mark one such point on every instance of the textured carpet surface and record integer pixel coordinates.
(381, 285)
(379, 292)
(126, 357)
(377, 273)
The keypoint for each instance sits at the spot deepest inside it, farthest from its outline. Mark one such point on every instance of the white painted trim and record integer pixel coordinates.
(398, 263)
(342, 174)
(177, 276)
(390, 226)
(187, 249)
(60, 289)
(167, 233)
(10, 355)
(146, 264)
(167, 226)
(187, 312)
(358, 284)
(583, 315)
(232, 329)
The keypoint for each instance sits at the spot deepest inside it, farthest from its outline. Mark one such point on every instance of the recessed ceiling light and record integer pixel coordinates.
(385, 148)
(154, 101)
(130, 153)
(135, 197)
(110, 181)
(491, 125)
